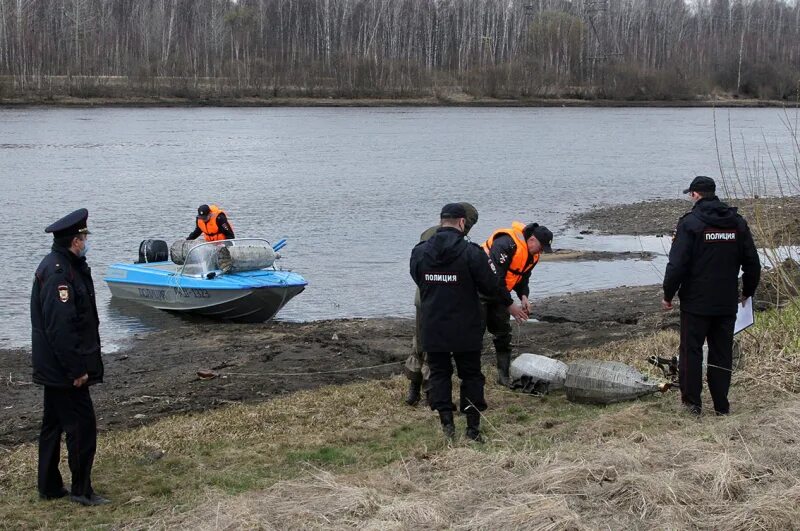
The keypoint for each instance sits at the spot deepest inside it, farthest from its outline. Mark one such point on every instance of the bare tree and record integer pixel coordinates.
(508, 48)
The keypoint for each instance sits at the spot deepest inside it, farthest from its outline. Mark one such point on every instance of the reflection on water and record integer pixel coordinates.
(126, 318)
(138, 318)
(351, 189)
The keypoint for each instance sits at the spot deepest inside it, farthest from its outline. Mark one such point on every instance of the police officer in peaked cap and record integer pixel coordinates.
(66, 359)
(416, 366)
(450, 272)
(712, 243)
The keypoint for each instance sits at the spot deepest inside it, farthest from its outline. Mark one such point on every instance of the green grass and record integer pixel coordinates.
(325, 456)
(240, 449)
(784, 323)
(243, 448)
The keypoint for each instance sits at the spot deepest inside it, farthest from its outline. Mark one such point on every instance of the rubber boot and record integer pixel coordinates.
(503, 364)
(414, 389)
(474, 427)
(448, 425)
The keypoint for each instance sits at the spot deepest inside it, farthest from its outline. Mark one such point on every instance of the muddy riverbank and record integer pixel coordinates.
(156, 374)
(774, 220)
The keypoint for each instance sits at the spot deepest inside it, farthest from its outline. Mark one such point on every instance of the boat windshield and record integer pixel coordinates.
(228, 256)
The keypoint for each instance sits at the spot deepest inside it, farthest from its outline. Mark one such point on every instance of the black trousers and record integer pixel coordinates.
(695, 330)
(440, 384)
(498, 324)
(67, 411)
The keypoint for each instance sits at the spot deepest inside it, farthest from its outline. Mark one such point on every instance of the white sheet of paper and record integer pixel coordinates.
(744, 316)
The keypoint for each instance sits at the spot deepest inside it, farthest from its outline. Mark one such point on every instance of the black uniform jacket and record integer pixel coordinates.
(450, 272)
(425, 236)
(502, 251)
(711, 243)
(66, 337)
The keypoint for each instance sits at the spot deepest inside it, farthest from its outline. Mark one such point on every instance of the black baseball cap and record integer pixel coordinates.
(453, 211)
(701, 183)
(72, 224)
(203, 210)
(542, 234)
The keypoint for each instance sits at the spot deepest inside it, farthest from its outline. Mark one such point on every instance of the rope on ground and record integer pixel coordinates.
(336, 371)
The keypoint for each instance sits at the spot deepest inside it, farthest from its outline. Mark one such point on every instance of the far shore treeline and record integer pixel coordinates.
(443, 49)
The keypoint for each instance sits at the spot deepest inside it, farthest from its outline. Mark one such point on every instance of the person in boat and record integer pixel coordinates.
(450, 273)
(416, 368)
(515, 251)
(212, 223)
(711, 243)
(66, 359)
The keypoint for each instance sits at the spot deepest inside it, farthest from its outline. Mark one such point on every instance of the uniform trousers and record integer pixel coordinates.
(695, 330)
(67, 411)
(498, 323)
(440, 384)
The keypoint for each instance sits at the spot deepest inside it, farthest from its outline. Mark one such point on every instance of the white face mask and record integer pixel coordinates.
(85, 249)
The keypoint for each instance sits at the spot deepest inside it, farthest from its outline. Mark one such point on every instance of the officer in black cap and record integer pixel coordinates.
(450, 272)
(66, 359)
(515, 251)
(416, 366)
(711, 243)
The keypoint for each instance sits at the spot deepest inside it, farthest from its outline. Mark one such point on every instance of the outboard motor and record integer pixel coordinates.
(153, 251)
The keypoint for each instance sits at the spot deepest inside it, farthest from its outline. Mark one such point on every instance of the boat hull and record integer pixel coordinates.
(248, 298)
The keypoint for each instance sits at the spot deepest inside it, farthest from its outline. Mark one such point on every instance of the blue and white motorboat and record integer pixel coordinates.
(205, 284)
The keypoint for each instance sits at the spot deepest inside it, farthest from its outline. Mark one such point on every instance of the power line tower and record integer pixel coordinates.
(598, 48)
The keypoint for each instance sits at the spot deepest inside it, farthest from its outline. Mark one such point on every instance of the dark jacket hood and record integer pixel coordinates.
(445, 246)
(716, 213)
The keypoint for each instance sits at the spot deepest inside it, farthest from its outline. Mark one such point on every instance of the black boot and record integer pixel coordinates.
(448, 425)
(414, 389)
(503, 364)
(474, 427)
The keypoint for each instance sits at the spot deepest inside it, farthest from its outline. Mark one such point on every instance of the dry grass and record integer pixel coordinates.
(733, 473)
(353, 457)
(639, 465)
(771, 352)
(350, 457)
(242, 449)
(634, 352)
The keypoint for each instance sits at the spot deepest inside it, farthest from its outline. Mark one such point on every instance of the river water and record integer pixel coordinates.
(351, 189)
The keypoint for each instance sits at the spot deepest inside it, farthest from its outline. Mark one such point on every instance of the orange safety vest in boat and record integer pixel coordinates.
(210, 229)
(519, 265)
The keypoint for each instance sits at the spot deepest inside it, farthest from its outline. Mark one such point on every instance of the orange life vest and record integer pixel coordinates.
(520, 262)
(210, 229)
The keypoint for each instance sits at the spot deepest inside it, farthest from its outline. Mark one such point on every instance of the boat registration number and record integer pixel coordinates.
(161, 294)
(196, 293)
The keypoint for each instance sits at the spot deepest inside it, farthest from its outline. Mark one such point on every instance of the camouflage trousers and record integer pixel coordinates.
(417, 362)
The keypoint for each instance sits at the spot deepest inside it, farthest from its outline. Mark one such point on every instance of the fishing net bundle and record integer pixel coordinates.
(246, 256)
(605, 382)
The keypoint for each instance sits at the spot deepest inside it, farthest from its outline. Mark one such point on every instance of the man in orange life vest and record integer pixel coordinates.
(515, 252)
(213, 224)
